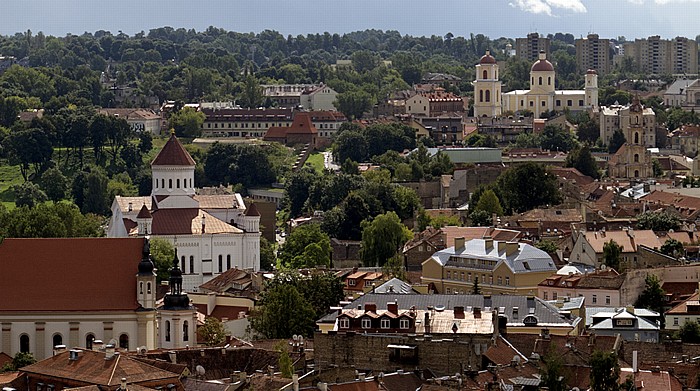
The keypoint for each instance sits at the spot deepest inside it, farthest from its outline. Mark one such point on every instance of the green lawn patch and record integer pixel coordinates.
(9, 176)
(315, 160)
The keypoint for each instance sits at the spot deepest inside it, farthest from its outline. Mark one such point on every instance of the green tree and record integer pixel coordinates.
(611, 254)
(267, 255)
(581, 159)
(489, 202)
(296, 189)
(605, 371)
(365, 60)
(652, 297)
(588, 131)
(28, 194)
(656, 168)
(213, 332)
(162, 253)
(673, 248)
(306, 246)
(617, 140)
(95, 192)
(285, 362)
(481, 218)
(353, 104)
(145, 142)
(282, 312)
(20, 360)
(658, 221)
(382, 237)
(252, 94)
(395, 268)
(551, 372)
(527, 186)
(557, 138)
(29, 148)
(187, 122)
(476, 289)
(689, 332)
(60, 220)
(547, 246)
(54, 184)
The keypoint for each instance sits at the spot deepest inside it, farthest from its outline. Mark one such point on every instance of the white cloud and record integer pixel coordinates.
(546, 6)
(662, 2)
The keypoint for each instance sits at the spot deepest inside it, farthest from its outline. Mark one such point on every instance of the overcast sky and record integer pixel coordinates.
(495, 18)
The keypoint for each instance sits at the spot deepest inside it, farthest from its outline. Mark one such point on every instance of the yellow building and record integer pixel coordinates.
(497, 267)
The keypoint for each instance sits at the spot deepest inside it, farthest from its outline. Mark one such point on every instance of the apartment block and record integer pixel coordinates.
(593, 52)
(530, 47)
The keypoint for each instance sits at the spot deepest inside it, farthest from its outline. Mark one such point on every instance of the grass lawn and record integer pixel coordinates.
(9, 176)
(315, 160)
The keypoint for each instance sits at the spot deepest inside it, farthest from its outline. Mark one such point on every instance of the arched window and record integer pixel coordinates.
(167, 331)
(221, 263)
(636, 158)
(24, 343)
(636, 173)
(540, 80)
(228, 261)
(162, 183)
(532, 81)
(191, 263)
(182, 263)
(57, 340)
(155, 183)
(185, 331)
(636, 137)
(89, 339)
(549, 80)
(486, 74)
(124, 341)
(141, 288)
(148, 288)
(170, 183)
(481, 95)
(488, 95)
(178, 183)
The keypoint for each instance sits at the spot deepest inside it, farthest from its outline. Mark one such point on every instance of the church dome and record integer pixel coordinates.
(542, 66)
(487, 58)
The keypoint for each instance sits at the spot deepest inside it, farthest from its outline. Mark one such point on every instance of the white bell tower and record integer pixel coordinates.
(487, 88)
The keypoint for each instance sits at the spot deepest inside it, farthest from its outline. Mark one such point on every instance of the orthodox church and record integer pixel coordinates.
(490, 101)
(211, 233)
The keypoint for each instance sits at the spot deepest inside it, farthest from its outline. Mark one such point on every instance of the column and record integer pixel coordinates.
(108, 332)
(176, 333)
(40, 343)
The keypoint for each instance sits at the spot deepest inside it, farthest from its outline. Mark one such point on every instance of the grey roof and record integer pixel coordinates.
(545, 313)
(395, 286)
(642, 324)
(527, 259)
(441, 76)
(601, 311)
(570, 304)
(679, 86)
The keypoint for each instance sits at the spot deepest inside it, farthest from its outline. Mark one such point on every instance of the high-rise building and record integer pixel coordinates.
(663, 56)
(529, 48)
(593, 52)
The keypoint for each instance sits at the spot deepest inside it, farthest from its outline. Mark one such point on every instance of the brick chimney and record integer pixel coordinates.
(512, 248)
(459, 312)
(370, 307)
(393, 307)
(488, 243)
(427, 323)
(477, 312)
(459, 244)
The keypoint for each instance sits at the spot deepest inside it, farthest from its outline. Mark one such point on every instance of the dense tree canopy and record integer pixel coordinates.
(527, 186)
(382, 237)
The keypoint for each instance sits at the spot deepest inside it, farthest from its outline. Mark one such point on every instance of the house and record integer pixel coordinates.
(430, 104)
(652, 379)
(301, 131)
(320, 97)
(633, 324)
(683, 93)
(360, 281)
(139, 120)
(346, 253)
(211, 233)
(243, 123)
(687, 311)
(497, 267)
(600, 288)
(426, 243)
(640, 248)
(327, 122)
(554, 221)
(444, 128)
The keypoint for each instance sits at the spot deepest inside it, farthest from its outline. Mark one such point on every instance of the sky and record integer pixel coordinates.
(494, 18)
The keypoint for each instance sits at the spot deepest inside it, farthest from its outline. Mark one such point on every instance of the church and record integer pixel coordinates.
(490, 101)
(211, 233)
(633, 159)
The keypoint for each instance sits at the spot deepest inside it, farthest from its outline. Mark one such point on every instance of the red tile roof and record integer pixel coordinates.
(224, 281)
(187, 221)
(78, 274)
(301, 125)
(252, 210)
(173, 154)
(144, 213)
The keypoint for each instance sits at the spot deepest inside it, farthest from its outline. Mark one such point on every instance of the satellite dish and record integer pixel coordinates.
(142, 350)
(200, 370)
(295, 337)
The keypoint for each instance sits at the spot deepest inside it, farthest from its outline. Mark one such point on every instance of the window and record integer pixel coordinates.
(488, 95)
(57, 340)
(532, 103)
(192, 264)
(178, 183)
(167, 331)
(351, 282)
(182, 263)
(545, 296)
(461, 276)
(403, 324)
(469, 277)
(141, 288)
(148, 288)
(675, 321)
(544, 103)
(486, 74)
(595, 299)
(549, 80)
(540, 80)
(607, 300)
(636, 158)
(89, 339)
(228, 261)
(554, 295)
(221, 263)
(448, 291)
(385, 323)
(558, 103)
(449, 275)
(185, 331)
(500, 280)
(366, 323)
(170, 183)
(569, 103)
(507, 281)
(162, 183)
(344, 323)
(124, 341)
(580, 102)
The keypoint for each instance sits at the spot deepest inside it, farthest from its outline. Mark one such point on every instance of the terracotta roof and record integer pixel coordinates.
(187, 221)
(92, 368)
(682, 308)
(136, 203)
(144, 213)
(4, 359)
(652, 381)
(130, 113)
(301, 125)
(252, 210)
(542, 66)
(77, 274)
(164, 365)
(8, 377)
(549, 215)
(173, 154)
(629, 240)
(218, 201)
(502, 353)
(355, 386)
(222, 312)
(487, 59)
(224, 281)
(571, 174)
(687, 206)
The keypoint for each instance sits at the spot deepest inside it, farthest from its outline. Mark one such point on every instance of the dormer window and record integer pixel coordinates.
(344, 323)
(385, 323)
(404, 324)
(351, 282)
(366, 323)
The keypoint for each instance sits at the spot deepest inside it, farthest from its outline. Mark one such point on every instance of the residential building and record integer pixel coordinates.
(487, 88)
(684, 93)
(243, 123)
(687, 311)
(623, 118)
(76, 300)
(498, 267)
(640, 249)
(360, 281)
(327, 122)
(529, 48)
(686, 139)
(430, 104)
(654, 55)
(444, 129)
(505, 130)
(593, 52)
(139, 120)
(301, 131)
(633, 160)
(306, 96)
(439, 79)
(543, 97)
(211, 233)
(599, 289)
(631, 323)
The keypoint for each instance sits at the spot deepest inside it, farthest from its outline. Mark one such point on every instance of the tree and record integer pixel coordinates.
(658, 221)
(213, 331)
(481, 218)
(252, 94)
(285, 362)
(365, 60)
(526, 187)
(656, 168)
(248, 165)
(353, 104)
(551, 372)
(605, 371)
(145, 142)
(689, 332)
(20, 360)
(611, 254)
(28, 194)
(54, 184)
(588, 131)
(95, 192)
(297, 188)
(581, 159)
(673, 248)
(652, 296)
(267, 255)
(616, 141)
(187, 122)
(60, 220)
(306, 246)
(476, 289)
(382, 237)
(351, 145)
(282, 312)
(489, 202)
(557, 138)
(162, 253)
(29, 148)
(395, 268)
(547, 246)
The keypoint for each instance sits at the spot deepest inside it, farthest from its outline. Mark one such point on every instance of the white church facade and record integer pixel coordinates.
(211, 233)
(490, 101)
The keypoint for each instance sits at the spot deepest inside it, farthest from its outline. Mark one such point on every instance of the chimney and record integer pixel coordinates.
(204, 223)
(59, 349)
(131, 207)
(488, 243)
(501, 246)
(322, 386)
(459, 244)
(477, 312)
(98, 345)
(371, 307)
(459, 312)
(511, 248)
(427, 323)
(393, 307)
(173, 357)
(74, 353)
(271, 370)
(635, 362)
(109, 351)
(123, 384)
(295, 382)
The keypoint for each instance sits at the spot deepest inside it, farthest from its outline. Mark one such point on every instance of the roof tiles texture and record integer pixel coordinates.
(173, 154)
